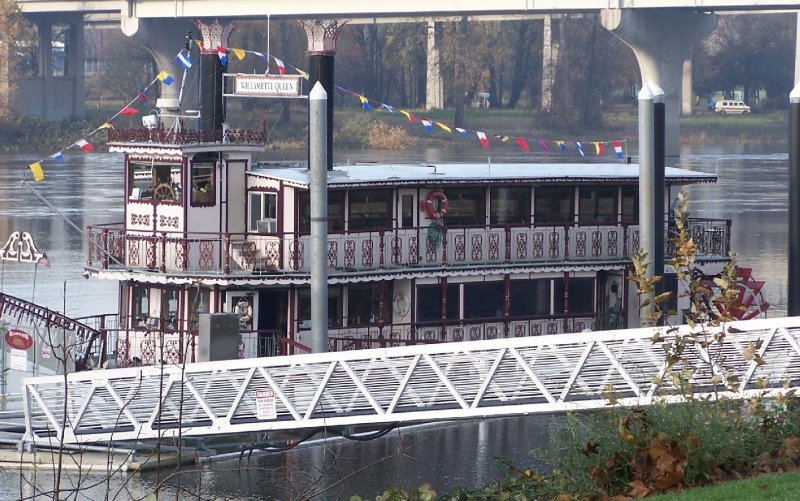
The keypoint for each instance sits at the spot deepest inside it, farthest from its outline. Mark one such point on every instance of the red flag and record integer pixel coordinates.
(85, 145)
(599, 148)
(523, 144)
(128, 111)
(482, 139)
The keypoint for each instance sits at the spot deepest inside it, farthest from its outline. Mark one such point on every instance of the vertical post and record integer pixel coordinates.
(794, 202)
(434, 93)
(318, 163)
(659, 164)
(646, 190)
(215, 40)
(322, 37)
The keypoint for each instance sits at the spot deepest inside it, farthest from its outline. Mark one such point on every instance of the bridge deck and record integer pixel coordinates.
(406, 384)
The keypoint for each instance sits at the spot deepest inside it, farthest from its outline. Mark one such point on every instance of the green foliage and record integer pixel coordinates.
(22, 133)
(361, 130)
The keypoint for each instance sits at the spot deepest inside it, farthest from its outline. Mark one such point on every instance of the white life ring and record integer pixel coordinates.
(401, 304)
(244, 309)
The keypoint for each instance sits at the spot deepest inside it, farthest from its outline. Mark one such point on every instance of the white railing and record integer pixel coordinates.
(405, 384)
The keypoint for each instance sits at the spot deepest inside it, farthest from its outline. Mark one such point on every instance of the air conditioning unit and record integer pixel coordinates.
(267, 225)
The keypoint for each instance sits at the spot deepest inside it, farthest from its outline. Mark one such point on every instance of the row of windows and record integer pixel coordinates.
(151, 181)
(373, 210)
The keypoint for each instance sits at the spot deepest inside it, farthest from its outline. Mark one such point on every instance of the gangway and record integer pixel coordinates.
(422, 383)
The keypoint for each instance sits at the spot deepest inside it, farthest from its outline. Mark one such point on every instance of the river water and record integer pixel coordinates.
(752, 191)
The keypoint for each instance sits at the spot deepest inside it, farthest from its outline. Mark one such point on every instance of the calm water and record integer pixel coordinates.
(752, 191)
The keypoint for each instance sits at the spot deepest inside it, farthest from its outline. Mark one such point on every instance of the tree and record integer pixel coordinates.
(16, 42)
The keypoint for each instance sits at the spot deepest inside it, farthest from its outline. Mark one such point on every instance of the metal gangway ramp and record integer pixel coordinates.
(420, 383)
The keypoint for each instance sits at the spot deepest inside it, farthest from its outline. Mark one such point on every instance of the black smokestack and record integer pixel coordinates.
(212, 111)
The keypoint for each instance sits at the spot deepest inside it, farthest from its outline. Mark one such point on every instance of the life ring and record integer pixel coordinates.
(402, 304)
(435, 205)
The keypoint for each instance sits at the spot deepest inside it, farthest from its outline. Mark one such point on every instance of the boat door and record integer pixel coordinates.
(407, 212)
(609, 302)
(235, 197)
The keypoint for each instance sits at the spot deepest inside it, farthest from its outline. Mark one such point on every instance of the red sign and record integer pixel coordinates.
(19, 339)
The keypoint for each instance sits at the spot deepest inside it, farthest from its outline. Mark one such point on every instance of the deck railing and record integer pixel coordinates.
(247, 254)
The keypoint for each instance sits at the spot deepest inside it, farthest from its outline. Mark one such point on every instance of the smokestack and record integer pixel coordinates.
(213, 63)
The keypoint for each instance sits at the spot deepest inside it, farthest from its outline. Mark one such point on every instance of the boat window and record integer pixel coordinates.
(262, 212)
(597, 205)
(140, 308)
(363, 304)
(467, 207)
(630, 204)
(429, 303)
(510, 205)
(553, 205)
(201, 303)
(407, 204)
(169, 309)
(203, 182)
(369, 210)
(334, 308)
(154, 181)
(335, 211)
(530, 298)
(483, 300)
(581, 295)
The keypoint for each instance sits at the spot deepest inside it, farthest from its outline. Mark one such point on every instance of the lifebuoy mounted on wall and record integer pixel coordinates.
(435, 205)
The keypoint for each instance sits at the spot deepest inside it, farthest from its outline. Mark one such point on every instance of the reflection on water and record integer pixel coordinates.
(752, 191)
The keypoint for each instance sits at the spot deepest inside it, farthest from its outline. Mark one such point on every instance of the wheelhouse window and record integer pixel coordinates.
(369, 210)
(335, 211)
(363, 304)
(597, 205)
(154, 181)
(630, 204)
(553, 205)
(203, 180)
(510, 205)
(140, 307)
(467, 207)
(429, 303)
(581, 295)
(483, 300)
(262, 210)
(530, 298)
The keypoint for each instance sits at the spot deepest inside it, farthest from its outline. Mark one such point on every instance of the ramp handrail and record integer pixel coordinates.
(402, 384)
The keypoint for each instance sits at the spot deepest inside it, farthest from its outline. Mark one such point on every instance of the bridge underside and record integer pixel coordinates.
(402, 385)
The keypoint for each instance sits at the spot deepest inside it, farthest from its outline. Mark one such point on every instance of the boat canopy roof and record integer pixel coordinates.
(483, 173)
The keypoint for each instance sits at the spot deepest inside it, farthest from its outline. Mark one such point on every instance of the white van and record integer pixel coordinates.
(731, 107)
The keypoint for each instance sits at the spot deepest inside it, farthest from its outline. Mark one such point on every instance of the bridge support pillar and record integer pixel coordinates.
(549, 63)
(661, 39)
(163, 38)
(58, 92)
(434, 90)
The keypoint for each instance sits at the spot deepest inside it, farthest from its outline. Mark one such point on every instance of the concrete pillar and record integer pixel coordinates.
(662, 40)
(686, 88)
(76, 66)
(549, 62)
(434, 89)
(163, 39)
(44, 26)
(797, 51)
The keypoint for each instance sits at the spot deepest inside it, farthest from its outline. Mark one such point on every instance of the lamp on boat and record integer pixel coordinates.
(150, 121)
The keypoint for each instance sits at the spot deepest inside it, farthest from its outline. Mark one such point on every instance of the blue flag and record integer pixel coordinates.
(184, 60)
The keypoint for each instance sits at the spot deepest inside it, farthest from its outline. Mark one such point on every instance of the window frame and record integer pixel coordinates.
(209, 198)
(152, 166)
(514, 194)
(543, 215)
(263, 209)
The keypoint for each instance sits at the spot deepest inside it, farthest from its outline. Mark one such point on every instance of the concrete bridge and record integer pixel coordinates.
(661, 33)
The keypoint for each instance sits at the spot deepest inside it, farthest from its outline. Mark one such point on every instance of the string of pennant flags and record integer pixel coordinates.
(184, 60)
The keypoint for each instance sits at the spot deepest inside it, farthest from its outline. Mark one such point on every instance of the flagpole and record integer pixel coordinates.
(33, 293)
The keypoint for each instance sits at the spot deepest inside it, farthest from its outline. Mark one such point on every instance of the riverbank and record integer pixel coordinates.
(33, 134)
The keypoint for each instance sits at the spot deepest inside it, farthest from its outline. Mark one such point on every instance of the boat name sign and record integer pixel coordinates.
(245, 85)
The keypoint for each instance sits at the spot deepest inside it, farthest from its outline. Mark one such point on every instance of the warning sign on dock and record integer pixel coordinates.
(265, 404)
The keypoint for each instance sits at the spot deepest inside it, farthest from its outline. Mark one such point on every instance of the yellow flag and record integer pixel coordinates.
(443, 126)
(302, 73)
(36, 168)
(105, 126)
(239, 53)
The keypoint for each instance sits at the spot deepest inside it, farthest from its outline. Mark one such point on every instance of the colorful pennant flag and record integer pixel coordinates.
(142, 96)
(36, 168)
(184, 60)
(239, 53)
(463, 132)
(165, 78)
(128, 111)
(580, 147)
(444, 127)
(598, 147)
(562, 145)
(261, 56)
(523, 144)
(222, 52)
(482, 139)
(85, 145)
(302, 73)
(618, 148)
(543, 146)
(408, 115)
(365, 103)
(106, 126)
(427, 124)
(387, 107)
(280, 65)
(58, 157)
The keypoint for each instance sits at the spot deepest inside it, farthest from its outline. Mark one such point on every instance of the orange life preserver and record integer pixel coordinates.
(435, 205)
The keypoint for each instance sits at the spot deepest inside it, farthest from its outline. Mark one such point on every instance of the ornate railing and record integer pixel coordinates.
(247, 254)
(186, 136)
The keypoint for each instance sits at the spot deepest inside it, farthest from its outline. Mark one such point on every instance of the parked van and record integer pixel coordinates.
(731, 107)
